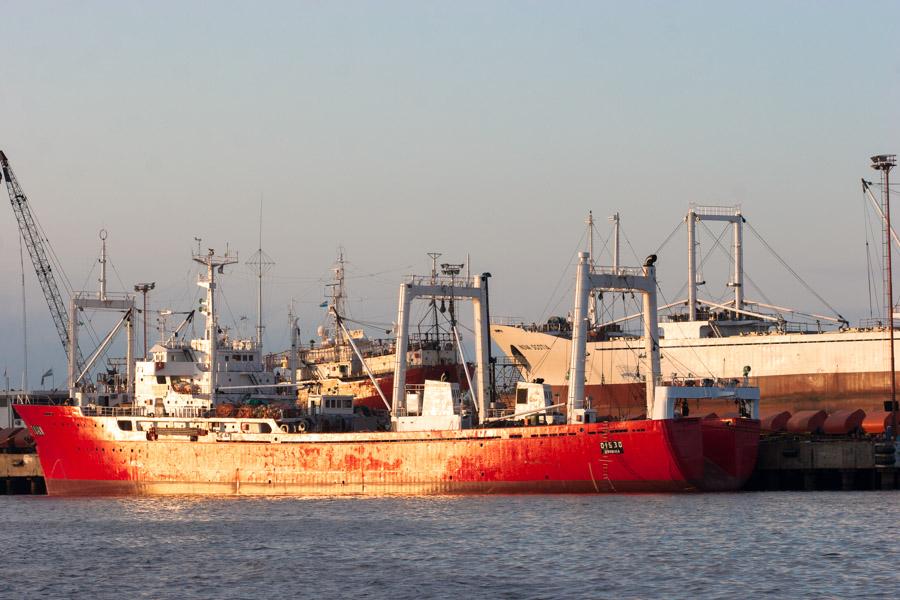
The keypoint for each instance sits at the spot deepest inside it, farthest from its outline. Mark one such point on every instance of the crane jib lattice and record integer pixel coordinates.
(34, 243)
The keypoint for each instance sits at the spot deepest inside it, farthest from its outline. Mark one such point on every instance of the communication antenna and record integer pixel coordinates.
(434, 310)
(261, 263)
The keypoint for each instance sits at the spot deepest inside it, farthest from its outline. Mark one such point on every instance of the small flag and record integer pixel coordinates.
(324, 304)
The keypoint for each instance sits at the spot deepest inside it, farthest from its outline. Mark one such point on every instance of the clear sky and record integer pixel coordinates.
(397, 128)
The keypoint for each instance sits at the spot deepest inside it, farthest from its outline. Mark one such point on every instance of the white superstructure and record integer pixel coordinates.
(202, 372)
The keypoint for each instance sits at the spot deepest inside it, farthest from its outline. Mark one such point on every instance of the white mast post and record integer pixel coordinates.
(592, 298)
(737, 226)
(212, 262)
(575, 400)
(615, 221)
(103, 264)
(398, 400)
(691, 220)
(73, 345)
(24, 323)
(651, 335)
(129, 354)
(482, 351)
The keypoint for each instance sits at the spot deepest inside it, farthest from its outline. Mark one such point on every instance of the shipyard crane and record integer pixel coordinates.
(31, 235)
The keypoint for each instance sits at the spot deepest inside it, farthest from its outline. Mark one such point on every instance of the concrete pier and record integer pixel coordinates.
(796, 462)
(20, 473)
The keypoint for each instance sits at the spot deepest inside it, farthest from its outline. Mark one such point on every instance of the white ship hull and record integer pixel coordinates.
(827, 371)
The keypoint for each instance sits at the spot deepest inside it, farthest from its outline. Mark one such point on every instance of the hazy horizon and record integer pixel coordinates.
(395, 129)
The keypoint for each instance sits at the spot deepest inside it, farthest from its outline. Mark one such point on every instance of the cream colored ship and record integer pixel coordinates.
(794, 370)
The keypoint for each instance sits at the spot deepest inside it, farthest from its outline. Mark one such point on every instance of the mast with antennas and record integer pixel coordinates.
(213, 264)
(261, 263)
(434, 310)
(336, 301)
(592, 299)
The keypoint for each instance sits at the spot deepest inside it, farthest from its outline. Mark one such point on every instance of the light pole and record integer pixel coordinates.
(884, 163)
(144, 288)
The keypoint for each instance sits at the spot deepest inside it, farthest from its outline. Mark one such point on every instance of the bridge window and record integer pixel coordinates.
(522, 396)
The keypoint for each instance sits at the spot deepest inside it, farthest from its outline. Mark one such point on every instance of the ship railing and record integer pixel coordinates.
(498, 413)
(93, 410)
(508, 321)
(430, 338)
(554, 328)
(26, 398)
(795, 327)
(691, 381)
(375, 352)
(620, 271)
(442, 281)
(872, 323)
(189, 412)
(715, 211)
(109, 296)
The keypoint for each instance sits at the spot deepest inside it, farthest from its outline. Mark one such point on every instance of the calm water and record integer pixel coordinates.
(779, 545)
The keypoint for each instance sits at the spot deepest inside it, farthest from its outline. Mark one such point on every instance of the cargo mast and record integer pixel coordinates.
(728, 214)
(444, 288)
(621, 279)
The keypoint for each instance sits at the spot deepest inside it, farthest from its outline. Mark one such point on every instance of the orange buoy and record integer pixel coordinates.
(876, 422)
(775, 422)
(807, 421)
(842, 422)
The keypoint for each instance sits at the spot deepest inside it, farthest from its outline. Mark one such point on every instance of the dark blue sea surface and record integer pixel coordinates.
(776, 545)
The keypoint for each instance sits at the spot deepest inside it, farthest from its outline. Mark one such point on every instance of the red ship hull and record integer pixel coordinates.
(88, 456)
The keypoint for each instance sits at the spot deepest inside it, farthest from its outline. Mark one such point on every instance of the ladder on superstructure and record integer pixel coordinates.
(34, 242)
